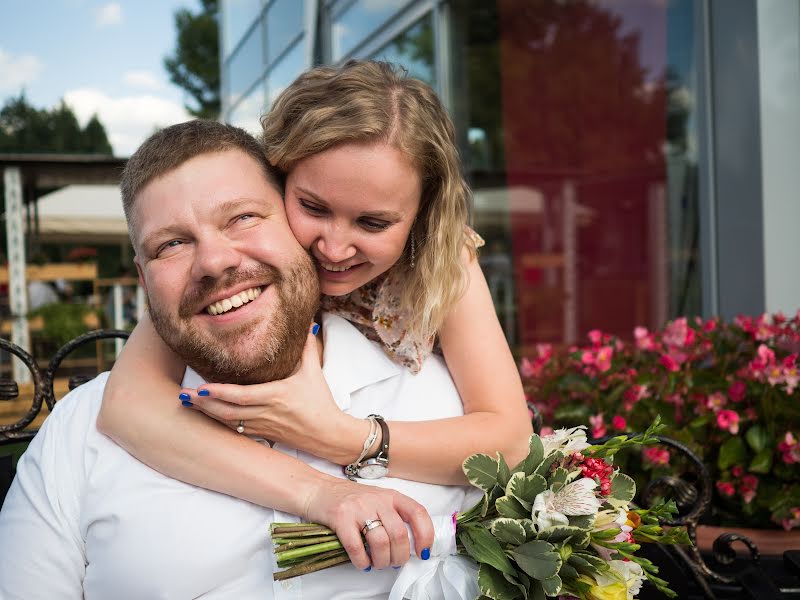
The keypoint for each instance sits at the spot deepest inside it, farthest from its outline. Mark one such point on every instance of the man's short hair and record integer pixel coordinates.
(169, 148)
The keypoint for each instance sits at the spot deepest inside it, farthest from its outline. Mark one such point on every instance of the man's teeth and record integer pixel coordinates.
(234, 301)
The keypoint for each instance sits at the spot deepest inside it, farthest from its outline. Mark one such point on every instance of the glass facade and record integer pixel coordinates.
(586, 130)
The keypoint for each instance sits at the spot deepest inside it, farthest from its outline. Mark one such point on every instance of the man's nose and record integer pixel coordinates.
(335, 244)
(214, 255)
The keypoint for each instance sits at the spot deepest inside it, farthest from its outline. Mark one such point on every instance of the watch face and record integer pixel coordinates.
(372, 469)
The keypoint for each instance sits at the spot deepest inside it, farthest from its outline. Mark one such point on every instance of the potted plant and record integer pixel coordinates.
(730, 391)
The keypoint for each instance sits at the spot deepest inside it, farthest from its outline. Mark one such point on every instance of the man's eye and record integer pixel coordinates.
(168, 246)
(246, 217)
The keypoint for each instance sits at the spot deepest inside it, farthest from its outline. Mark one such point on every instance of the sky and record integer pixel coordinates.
(100, 57)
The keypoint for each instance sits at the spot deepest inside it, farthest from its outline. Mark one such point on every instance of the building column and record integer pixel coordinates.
(17, 286)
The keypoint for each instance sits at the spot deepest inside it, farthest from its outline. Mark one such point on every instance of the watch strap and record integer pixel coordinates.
(383, 452)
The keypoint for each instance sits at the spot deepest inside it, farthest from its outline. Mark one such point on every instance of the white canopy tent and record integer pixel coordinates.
(84, 213)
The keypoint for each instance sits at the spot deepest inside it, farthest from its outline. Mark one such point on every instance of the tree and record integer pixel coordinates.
(194, 66)
(26, 129)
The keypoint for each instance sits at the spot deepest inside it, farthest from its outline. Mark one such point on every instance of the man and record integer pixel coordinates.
(85, 519)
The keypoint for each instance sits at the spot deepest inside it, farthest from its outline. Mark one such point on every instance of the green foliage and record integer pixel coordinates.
(62, 321)
(194, 65)
(26, 129)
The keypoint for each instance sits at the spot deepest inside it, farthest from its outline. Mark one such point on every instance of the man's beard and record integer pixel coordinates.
(247, 354)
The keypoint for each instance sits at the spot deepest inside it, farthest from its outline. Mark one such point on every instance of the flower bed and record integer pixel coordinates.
(729, 390)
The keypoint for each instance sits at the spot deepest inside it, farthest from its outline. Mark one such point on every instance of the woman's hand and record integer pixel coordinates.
(345, 507)
(298, 411)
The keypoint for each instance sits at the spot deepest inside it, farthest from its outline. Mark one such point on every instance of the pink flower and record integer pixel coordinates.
(748, 488)
(644, 341)
(546, 430)
(737, 471)
(603, 359)
(545, 351)
(677, 333)
(726, 488)
(669, 363)
(716, 401)
(791, 378)
(656, 456)
(737, 391)
(790, 449)
(598, 426)
(793, 520)
(619, 423)
(728, 420)
(587, 358)
(596, 337)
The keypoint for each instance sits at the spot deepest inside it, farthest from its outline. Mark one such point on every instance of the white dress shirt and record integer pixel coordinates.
(85, 519)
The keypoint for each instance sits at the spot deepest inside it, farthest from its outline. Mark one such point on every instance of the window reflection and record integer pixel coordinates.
(245, 66)
(284, 23)
(247, 113)
(286, 71)
(237, 16)
(414, 50)
(352, 22)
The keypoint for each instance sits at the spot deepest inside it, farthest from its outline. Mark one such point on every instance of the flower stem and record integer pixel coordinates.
(310, 567)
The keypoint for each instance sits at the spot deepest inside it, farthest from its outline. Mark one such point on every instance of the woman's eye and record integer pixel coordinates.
(314, 209)
(371, 225)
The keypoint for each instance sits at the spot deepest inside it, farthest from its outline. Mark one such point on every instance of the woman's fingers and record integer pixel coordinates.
(418, 519)
(243, 395)
(225, 412)
(378, 543)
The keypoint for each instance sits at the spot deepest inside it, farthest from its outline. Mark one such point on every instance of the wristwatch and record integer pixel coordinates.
(377, 466)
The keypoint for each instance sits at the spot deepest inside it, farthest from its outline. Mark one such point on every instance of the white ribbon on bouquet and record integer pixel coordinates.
(444, 576)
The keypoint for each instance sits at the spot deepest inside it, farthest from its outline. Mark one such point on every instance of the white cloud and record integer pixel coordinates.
(108, 14)
(17, 71)
(142, 79)
(128, 119)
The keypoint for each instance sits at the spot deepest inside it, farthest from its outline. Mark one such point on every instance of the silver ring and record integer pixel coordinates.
(370, 524)
(240, 428)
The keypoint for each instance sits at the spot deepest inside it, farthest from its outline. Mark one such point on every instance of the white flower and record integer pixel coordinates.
(566, 440)
(624, 571)
(576, 498)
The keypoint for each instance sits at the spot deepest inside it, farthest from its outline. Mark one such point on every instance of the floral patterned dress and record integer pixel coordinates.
(375, 310)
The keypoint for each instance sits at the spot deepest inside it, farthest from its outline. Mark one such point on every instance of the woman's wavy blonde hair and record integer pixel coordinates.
(370, 101)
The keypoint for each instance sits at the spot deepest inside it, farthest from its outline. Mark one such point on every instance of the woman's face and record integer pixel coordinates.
(352, 208)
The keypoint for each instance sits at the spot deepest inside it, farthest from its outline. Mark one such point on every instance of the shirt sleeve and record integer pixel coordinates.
(41, 549)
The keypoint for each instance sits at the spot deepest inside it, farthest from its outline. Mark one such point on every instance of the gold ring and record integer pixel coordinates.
(240, 428)
(370, 524)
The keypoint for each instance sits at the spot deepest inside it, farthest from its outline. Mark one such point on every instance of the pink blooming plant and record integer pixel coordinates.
(729, 390)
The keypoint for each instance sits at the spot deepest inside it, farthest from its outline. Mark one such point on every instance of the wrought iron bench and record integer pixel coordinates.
(694, 576)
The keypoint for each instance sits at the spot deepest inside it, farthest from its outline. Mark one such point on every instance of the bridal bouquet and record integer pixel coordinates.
(560, 523)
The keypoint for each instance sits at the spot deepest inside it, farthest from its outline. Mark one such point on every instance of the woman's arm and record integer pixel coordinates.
(141, 412)
(495, 413)
(480, 362)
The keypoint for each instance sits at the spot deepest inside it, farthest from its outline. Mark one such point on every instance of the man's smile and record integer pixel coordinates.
(235, 301)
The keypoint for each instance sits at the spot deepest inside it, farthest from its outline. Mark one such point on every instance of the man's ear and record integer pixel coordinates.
(141, 274)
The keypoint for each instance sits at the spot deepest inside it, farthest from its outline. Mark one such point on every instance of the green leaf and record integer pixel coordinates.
(535, 455)
(508, 506)
(493, 585)
(559, 476)
(762, 462)
(567, 571)
(523, 589)
(623, 488)
(508, 531)
(732, 452)
(757, 437)
(544, 468)
(558, 533)
(530, 530)
(481, 470)
(583, 521)
(525, 488)
(552, 585)
(536, 591)
(503, 472)
(538, 559)
(481, 545)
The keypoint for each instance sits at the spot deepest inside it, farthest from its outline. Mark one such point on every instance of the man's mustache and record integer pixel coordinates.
(199, 296)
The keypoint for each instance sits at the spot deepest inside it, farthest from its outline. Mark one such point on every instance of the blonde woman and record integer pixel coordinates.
(374, 192)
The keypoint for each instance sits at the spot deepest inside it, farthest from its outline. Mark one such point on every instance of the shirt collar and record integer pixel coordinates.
(350, 361)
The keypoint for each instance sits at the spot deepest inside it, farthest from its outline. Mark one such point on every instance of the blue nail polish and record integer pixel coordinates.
(315, 328)
(426, 553)
(395, 568)
(187, 403)
(368, 569)
(203, 393)
(184, 396)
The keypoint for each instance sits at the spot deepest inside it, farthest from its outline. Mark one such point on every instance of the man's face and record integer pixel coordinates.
(230, 289)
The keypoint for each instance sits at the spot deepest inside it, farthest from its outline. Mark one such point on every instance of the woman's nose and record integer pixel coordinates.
(335, 246)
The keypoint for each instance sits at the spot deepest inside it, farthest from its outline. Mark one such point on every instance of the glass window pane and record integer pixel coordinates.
(286, 71)
(284, 22)
(358, 21)
(245, 66)
(237, 16)
(247, 113)
(577, 127)
(414, 50)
